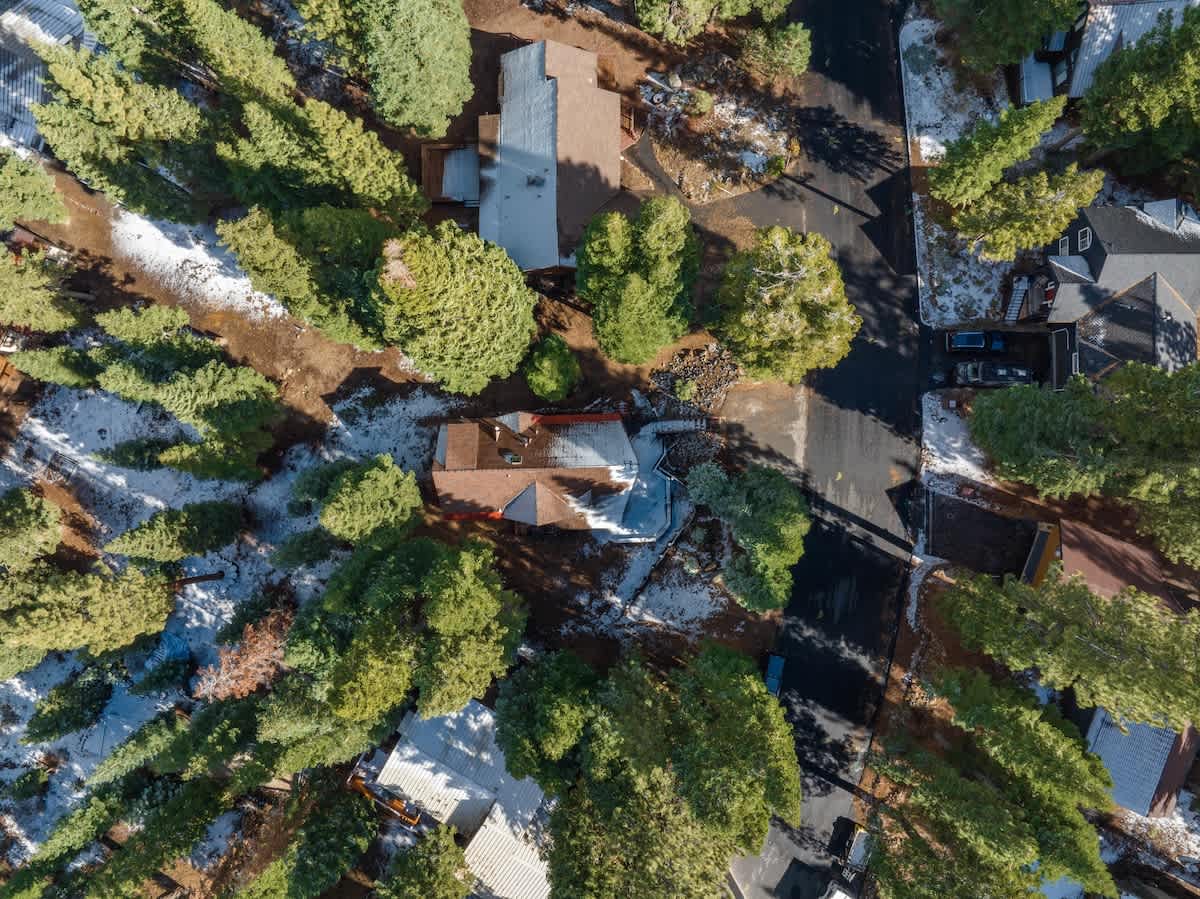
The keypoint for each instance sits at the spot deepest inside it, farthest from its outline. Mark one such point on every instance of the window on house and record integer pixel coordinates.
(1064, 246)
(1085, 238)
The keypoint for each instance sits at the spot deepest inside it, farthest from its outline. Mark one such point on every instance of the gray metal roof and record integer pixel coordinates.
(1036, 81)
(1135, 760)
(21, 70)
(518, 187)
(1117, 23)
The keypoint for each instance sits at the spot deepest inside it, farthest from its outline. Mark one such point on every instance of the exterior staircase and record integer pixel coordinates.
(1020, 289)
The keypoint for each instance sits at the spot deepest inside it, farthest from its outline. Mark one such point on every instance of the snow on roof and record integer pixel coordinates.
(21, 70)
(1116, 25)
(452, 767)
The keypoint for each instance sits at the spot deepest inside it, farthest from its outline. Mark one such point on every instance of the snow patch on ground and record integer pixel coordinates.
(79, 423)
(946, 445)
(677, 600)
(1176, 836)
(216, 840)
(954, 283)
(188, 261)
(939, 108)
(923, 566)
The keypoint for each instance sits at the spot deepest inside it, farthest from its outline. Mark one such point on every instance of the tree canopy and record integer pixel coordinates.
(783, 305)
(769, 520)
(678, 23)
(456, 305)
(551, 369)
(992, 33)
(634, 759)
(174, 534)
(1127, 653)
(1136, 443)
(639, 276)
(435, 868)
(29, 528)
(31, 294)
(27, 192)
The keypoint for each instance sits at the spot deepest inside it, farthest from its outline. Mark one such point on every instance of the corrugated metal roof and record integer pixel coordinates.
(442, 792)
(1113, 25)
(518, 188)
(1036, 80)
(21, 70)
(1135, 760)
(460, 175)
(505, 860)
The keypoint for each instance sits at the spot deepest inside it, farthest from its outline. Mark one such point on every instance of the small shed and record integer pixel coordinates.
(1148, 764)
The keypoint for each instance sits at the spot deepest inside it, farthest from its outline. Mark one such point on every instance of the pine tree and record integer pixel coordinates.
(230, 459)
(253, 664)
(473, 628)
(679, 22)
(29, 528)
(45, 608)
(61, 365)
(375, 494)
(277, 268)
(238, 52)
(784, 306)
(435, 868)
(775, 49)
(174, 534)
(769, 520)
(31, 294)
(992, 33)
(1028, 213)
(140, 748)
(27, 192)
(457, 306)
(374, 675)
(143, 327)
(75, 704)
(551, 369)
(639, 277)
(976, 161)
(1144, 98)
(1135, 657)
(331, 841)
(98, 812)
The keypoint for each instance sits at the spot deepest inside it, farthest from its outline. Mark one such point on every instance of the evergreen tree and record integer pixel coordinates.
(541, 715)
(242, 57)
(769, 520)
(232, 459)
(61, 365)
(145, 744)
(74, 704)
(784, 306)
(374, 675)
(776, 49)
(457, 306)
(27, 192)
(174, 534)
(29, 528)
(976, 161)
(639, 277)
(277, 268)
(47, 609)
(118, 133)
(435, 868)
(1144, 100)
(992, 33)
(473, 629)
(1027, 213)
(1134, 657)
(731, 731)
(31, 294)
(144, 327)
(330, 843)
(417, 55)
(551, 369)
(372, 495)
(679, 22)
(99, 811)
(340, 22)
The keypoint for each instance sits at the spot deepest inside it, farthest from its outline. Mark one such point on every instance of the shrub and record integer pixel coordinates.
(685, 390)
(552, 371)
(304, 548)
(30, 784)
(771, 50)
(169, 675)
(700, 103)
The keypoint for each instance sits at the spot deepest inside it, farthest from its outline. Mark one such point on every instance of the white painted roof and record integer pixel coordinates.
(1112, 25)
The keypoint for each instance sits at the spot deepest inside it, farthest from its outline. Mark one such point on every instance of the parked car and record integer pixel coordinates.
(774, 677)
(975, 342)
(991, 374)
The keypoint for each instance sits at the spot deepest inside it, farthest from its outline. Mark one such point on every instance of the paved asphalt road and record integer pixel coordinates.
(851, 438)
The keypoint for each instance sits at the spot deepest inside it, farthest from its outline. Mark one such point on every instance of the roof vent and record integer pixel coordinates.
(510, 457)
(535, 180)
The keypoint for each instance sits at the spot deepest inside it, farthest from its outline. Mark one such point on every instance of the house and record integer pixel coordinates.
(1121, 285)
(545, 164)
(451, 769)
(571, 471)
(1067, 61)
(21, 70)
(1148, 764)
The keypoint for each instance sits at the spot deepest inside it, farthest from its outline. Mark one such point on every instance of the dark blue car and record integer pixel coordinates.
(975, 342)
(774, 676)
